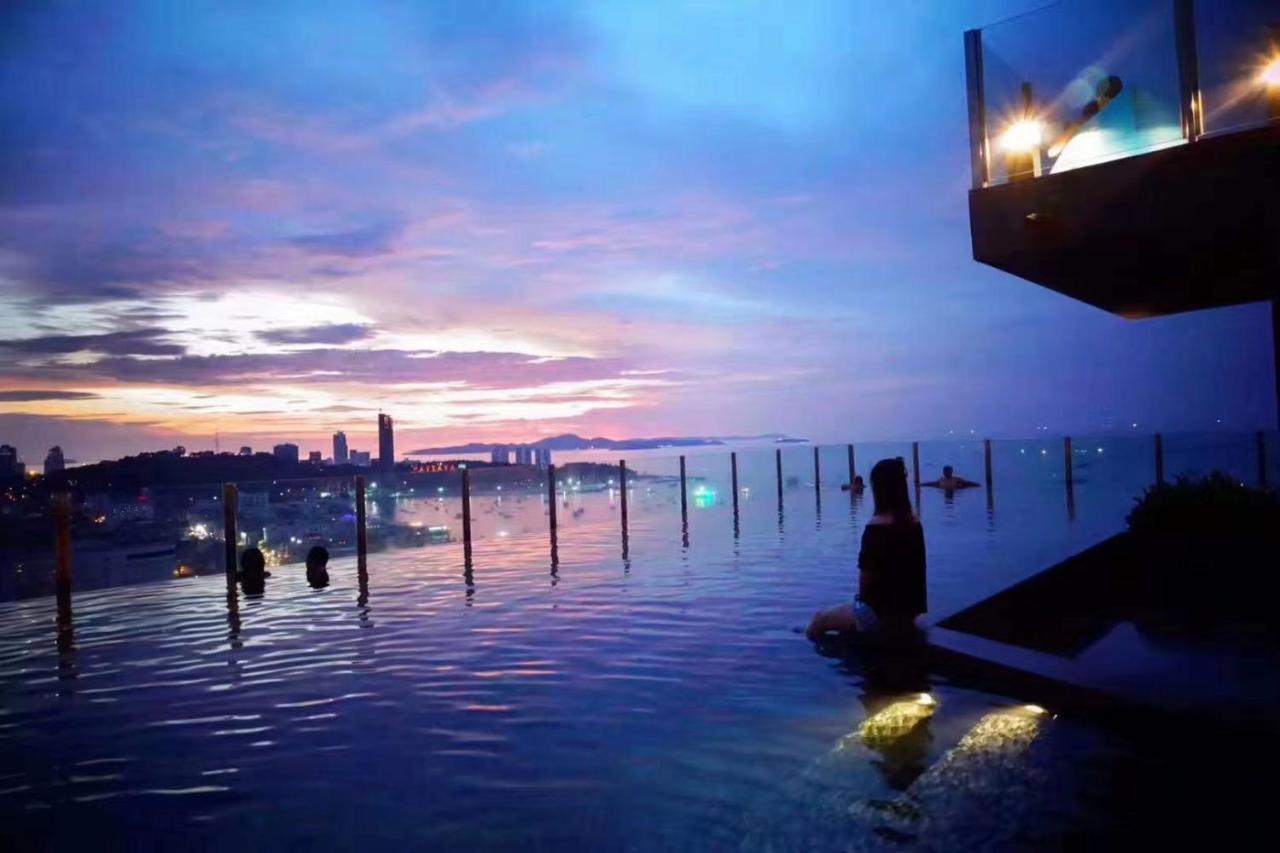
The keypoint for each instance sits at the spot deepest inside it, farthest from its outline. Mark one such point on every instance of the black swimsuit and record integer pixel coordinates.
(892, 564)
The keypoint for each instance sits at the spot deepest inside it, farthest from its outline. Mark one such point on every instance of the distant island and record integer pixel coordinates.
(569, 441)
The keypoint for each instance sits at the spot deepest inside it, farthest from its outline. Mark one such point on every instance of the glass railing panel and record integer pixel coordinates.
(868, 453)
(834, 465)
(1198, 454)
(1077, 83)
(118, 538)
(799, 495)
(1238, 48)
(965, 457)
(286, 518)
(710, 483)
(507, 502)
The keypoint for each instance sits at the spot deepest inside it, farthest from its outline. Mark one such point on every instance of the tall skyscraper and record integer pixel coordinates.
(286, 453)
(340, 448)
(386, 444)
(524, 454)
(499, 456)
(54, 463)
(8, 460)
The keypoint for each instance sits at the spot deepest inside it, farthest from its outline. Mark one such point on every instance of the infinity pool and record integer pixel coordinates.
(657, 700)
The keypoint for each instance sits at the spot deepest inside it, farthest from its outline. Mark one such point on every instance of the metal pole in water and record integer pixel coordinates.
(1070, 477)
(1159, 459)
(622, 481)
(230, 505)
(986, 465)
(915, 462)
(62, 549)
(817, 472)
(362, 540)
(466, 514)
(778, 460)
(551, 497)
(684, 492)
(853, 472)
(1261, 439)
(733, 476)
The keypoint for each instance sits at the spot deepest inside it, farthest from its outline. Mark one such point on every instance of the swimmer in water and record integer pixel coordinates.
(950, 481)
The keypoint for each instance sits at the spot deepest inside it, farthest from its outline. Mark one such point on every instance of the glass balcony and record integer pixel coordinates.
(1083, 82)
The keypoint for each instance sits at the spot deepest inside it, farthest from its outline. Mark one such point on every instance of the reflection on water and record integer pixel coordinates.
(636, 684)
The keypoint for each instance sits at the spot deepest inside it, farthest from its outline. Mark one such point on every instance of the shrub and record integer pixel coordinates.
(1214, 504)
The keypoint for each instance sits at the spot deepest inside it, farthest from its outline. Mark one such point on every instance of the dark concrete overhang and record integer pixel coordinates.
(1178, 229)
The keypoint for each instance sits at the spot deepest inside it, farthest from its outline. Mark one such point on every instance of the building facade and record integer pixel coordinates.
(386, 444)
(8, 461)
(54, 463)
(286, 453)
(340, 454)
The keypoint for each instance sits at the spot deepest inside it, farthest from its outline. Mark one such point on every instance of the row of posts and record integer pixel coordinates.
(230, 505)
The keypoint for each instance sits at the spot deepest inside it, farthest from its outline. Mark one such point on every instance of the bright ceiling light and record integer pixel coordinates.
(1022, 136)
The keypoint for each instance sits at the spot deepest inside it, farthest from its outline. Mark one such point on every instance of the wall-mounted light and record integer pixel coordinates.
(1022, 136)
(1269, 76)
(1269, 79)
(1021, 141)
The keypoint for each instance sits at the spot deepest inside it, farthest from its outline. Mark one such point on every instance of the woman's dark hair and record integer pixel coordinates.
(252, 561)
(889, 489)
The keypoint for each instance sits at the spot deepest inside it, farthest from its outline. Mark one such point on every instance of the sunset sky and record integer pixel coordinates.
(505, 220)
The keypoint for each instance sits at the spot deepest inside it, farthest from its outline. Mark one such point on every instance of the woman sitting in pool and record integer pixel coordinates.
(891, 571)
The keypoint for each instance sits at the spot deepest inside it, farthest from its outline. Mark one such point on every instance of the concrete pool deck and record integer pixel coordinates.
(1062, 635)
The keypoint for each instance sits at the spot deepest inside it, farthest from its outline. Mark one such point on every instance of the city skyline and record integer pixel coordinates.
(503, 224)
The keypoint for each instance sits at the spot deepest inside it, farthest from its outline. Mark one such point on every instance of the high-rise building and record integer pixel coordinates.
(53, 462)
(286, 453)
(314, 457)
(8, 461)
(542, 457)
(339, 448)
(524, 454)
(386, 444)
(499, 456)
(360, 458)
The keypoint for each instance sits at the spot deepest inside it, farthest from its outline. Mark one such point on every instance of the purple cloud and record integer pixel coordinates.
(336, 333)
(374, 239)
(38, 394)
(130, 343)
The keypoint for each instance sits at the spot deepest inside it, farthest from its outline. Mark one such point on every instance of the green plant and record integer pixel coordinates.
(1213, 504)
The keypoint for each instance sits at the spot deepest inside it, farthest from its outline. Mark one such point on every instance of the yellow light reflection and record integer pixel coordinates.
(896, 720)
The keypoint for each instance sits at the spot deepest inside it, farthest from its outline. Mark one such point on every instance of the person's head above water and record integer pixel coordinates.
(947, 471)
(252, 562)
(889, 489)
(317, 557)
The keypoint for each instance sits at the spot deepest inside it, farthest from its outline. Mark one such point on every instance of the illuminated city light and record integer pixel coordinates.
(1022, 136)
